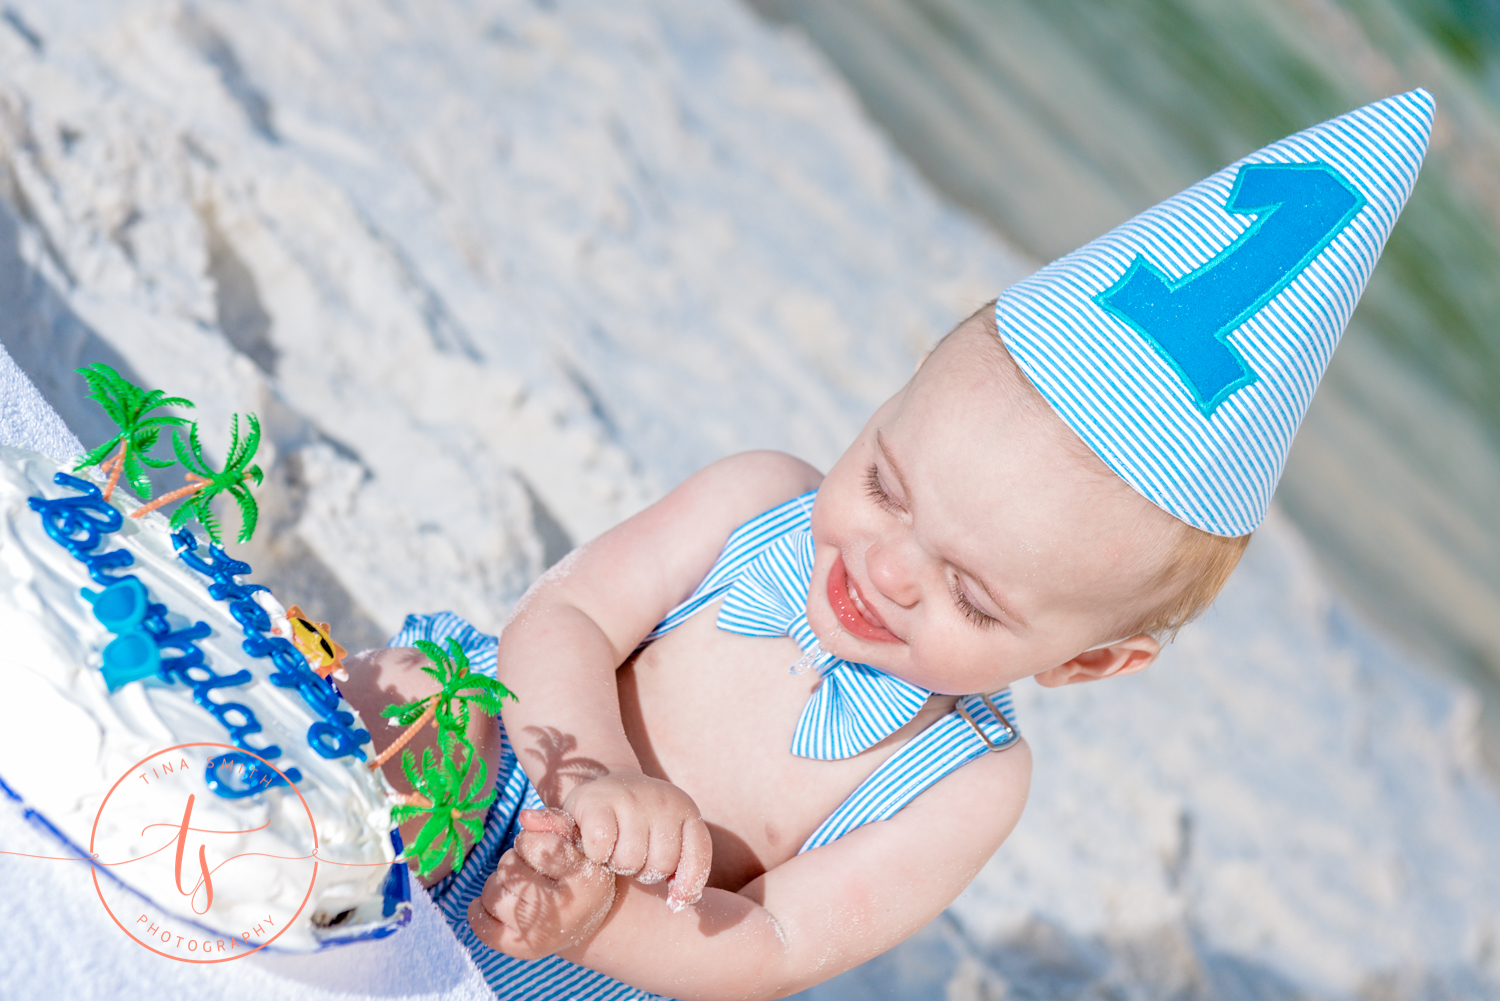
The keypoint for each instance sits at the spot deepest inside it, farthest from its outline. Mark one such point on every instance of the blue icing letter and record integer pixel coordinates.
(291, 667)
(235, 775)
(76, 523)
(337, 738)
(333, 736)
(98, 563)
(184, 641)
(1299, 209)
(248, 613)
(220, 566)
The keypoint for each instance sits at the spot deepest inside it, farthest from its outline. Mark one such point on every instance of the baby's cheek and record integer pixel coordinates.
(946, 660)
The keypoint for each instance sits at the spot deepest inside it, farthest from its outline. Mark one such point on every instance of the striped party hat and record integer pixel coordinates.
(1185, 345)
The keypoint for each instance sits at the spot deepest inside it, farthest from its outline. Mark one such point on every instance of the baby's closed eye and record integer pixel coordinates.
(971, 611)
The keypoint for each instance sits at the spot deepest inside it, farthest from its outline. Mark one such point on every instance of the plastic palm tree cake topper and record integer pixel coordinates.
(441, 784)
(127, 405)
(444, 783)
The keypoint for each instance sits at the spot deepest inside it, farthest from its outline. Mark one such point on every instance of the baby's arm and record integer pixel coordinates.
(579, 623)
(807, 920)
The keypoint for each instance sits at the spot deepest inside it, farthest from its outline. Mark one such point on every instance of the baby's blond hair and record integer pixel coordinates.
(1192, 572)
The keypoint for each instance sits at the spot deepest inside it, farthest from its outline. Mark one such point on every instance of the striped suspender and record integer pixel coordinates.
(978, 725)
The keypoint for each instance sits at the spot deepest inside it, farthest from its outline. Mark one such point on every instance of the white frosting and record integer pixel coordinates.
(68, 739)
(280, 624)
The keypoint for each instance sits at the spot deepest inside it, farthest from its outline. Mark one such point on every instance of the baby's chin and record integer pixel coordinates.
(940, 682)
(902, 661)
(894, 658)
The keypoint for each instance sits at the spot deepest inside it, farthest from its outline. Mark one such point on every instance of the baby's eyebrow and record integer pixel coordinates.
(1007, 609)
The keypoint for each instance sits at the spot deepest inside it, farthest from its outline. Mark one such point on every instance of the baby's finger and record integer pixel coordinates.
(489, 930)
(693, 865)
(598, 827)
(662, 855)
(549, 821)
(512, 877)
(631, 844)
(551, 855)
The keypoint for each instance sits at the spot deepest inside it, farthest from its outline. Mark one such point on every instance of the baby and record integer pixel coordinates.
(764, 732)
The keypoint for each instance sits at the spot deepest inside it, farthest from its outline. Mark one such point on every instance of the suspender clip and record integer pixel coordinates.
(1011, 733)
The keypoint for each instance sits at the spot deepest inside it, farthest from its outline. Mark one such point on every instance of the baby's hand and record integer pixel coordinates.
(639, 826)
(544, 895)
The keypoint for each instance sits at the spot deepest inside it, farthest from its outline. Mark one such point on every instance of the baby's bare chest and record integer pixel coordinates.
(714, 713)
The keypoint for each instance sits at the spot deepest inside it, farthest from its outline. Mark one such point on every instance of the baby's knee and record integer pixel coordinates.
(395, 676)
(382, 677)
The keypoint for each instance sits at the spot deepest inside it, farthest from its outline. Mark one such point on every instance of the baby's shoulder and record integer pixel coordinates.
(764, 474)
(748, 483)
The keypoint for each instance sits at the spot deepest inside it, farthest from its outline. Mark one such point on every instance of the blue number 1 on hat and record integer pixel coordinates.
(1299, 209)
(1184, 345)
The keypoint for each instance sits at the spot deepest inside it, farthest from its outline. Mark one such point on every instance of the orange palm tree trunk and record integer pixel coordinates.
(197, 484)
(410, 732)
(116, 464)
(415, 799)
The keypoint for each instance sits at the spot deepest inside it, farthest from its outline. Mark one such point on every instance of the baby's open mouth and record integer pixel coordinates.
(855, 616)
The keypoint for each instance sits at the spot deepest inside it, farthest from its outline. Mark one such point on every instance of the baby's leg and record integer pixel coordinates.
(378, 678)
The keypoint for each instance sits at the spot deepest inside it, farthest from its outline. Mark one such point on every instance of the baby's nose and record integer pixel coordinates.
(891, 571)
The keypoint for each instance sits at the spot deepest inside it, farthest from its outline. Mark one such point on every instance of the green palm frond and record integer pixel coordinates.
(127, 405)
(407, 713)
(191, 457)
(97, 455)
(403, 812)
(408, 765)
(249, 510)
(460, 688)
(488, 695)
(231, 479)
(450, 812)
(241, 452)
(197, 509)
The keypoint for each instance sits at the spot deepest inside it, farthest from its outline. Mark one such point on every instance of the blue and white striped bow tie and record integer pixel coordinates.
(857, 705)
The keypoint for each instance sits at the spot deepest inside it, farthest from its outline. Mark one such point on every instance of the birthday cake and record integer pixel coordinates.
(158, 703)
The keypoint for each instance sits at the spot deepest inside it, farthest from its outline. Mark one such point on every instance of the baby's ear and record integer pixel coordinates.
(1122, 657)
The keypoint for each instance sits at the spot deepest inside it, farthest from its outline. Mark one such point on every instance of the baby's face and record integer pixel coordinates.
(968, 539)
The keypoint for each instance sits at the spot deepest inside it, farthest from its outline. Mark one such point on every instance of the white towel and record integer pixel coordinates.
(26, 420)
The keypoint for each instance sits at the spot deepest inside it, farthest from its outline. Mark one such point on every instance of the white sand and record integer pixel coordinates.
(495, 274)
